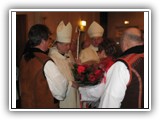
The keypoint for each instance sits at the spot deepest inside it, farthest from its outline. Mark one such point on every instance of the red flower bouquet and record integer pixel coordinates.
(87, 75)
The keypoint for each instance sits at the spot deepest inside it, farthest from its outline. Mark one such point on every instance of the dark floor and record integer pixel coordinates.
(18, 104)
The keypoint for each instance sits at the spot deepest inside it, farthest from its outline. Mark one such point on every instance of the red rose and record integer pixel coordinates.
(98, 72)
(80, 69)
(92, 78)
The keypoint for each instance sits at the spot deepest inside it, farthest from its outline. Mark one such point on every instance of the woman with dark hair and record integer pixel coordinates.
(110, 48)
(107, 52)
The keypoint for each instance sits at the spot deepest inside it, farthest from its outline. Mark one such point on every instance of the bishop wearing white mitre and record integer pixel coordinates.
(95, 32)
(62, 56)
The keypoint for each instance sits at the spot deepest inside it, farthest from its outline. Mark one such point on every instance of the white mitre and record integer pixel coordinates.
(64, 33)
(95, 30)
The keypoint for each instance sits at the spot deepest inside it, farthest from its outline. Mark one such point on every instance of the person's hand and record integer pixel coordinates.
(75, 84)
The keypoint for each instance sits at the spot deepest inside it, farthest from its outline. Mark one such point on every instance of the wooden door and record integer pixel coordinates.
(20, 36)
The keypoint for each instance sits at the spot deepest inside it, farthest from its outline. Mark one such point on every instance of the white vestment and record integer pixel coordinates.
(117, 79)
(58, 85)
(64, 65)
(89, 54)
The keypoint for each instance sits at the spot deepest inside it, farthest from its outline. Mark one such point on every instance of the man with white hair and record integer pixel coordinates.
(125, 78)
(95, 32)
(62, 56)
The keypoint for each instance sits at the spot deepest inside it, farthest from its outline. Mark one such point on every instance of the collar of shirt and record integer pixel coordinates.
(59, 55)
(137, 49)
